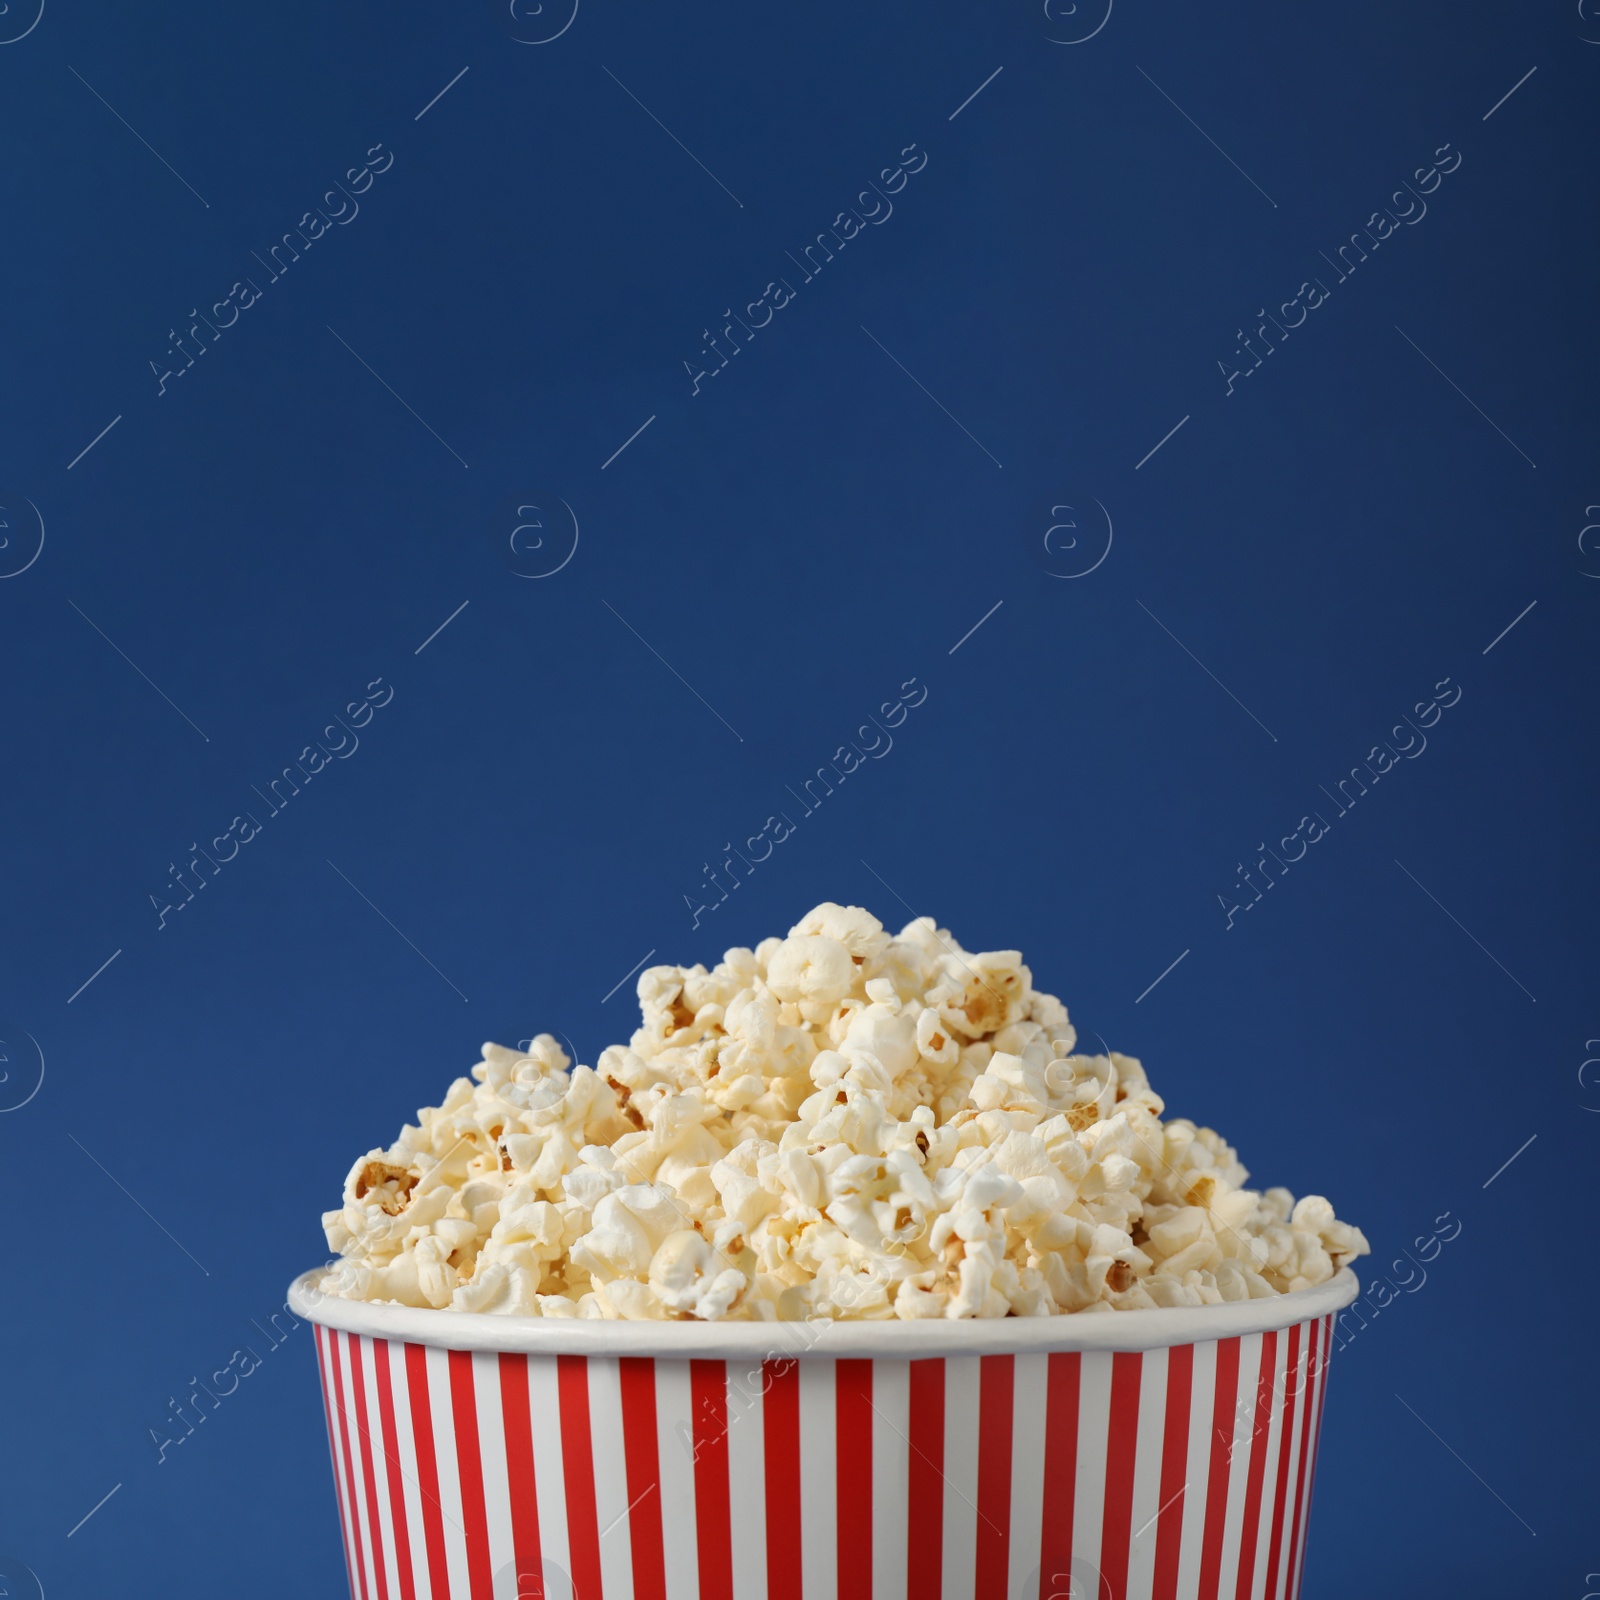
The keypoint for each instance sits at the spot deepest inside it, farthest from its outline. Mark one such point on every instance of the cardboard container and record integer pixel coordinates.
(1141, 1455)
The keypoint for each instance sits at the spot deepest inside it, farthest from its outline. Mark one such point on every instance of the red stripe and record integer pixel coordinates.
(1316, 1442)
(469, 1465)
(352, 1516)
(713, 1523)
(333, 1451)
(1259, 1437)
(391, 1453)
(358, 1392)
(1312, 1373)
(780, 1421)
(925, 1481)
(1280, 1495)
(852, 1408)
(577, 1467)
(637, 1375)
(524, 1492)
(1060, 1474)
(997, 1376)
(1222, 1430)
(1122, 1443)
(1174, 1471)
(427, 1470)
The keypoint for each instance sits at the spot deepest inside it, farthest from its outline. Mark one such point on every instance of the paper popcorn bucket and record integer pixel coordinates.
(1158, 1454)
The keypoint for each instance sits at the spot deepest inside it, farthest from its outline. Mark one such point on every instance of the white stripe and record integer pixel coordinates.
(747, 1479)
(444, 1446)
(1145, 1523)
(891, 1460)
(1289, 1444)
(325, 1354)
(962, 1379)
(354, 1424)
(1269, 1443)
(1094, 1428)
(496, 1473)
(1244, 1418)
(1202, 1395)
(610, 1478)
(675, 1468)
(819, 1501)
(544, 1404)
(1324, 1342)
(380, 1465)
(1282, 1440)
(1303, 1490)
(1028, 1414)
(405, 1441)
(1294, 1542)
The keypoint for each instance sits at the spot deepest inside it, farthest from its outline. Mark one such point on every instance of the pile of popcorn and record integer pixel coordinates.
(840, 1123)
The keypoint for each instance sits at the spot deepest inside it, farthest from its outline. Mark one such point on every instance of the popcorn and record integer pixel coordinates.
(839, 1124)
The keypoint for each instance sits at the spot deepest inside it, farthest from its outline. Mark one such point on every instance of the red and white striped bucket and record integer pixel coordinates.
(1158, 1454)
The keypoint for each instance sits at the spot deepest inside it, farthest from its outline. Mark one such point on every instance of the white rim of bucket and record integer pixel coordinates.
(822, 1337)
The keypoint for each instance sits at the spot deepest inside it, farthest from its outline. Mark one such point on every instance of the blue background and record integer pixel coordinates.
(524, 819)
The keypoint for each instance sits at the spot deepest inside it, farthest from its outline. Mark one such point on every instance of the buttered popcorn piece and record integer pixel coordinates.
(838, 1123)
